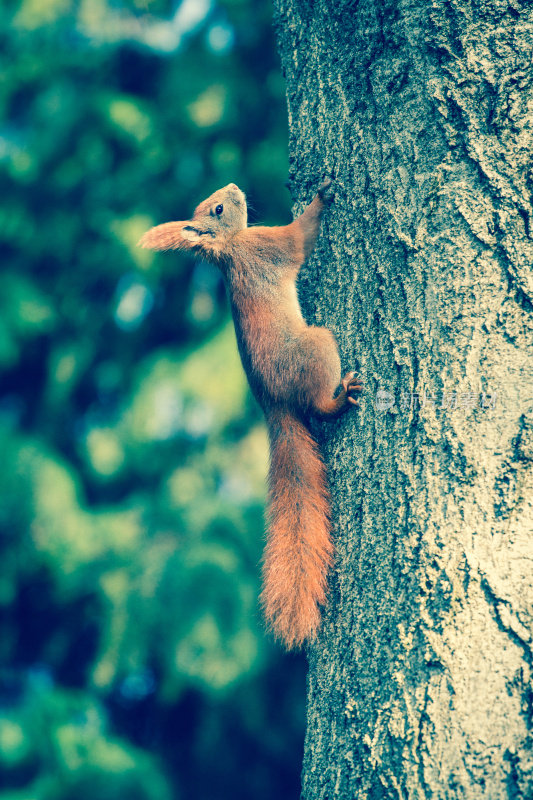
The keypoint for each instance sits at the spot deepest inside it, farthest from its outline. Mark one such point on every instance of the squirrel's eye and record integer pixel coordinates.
(219, 209)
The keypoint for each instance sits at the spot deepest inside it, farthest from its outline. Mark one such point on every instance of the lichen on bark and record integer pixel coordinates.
(420, 684)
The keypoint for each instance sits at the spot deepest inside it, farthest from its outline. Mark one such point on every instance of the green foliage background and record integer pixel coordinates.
(133, 660)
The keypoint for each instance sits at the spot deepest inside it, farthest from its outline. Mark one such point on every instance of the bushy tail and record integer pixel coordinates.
(299, 550)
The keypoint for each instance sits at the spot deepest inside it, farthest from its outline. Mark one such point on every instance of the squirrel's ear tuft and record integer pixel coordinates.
(170, 236)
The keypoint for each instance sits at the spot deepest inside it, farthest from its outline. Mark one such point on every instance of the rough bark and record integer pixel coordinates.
(420, 682)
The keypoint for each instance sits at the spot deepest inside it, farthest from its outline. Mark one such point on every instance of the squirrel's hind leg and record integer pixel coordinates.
(319, 389)
(333, 407)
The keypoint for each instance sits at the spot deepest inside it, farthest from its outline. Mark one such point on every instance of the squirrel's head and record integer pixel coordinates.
(214, 220)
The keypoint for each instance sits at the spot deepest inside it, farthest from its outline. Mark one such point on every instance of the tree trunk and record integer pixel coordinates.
(420, 681)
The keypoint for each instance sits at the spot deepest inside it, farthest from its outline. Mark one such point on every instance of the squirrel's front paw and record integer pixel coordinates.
(326, 190)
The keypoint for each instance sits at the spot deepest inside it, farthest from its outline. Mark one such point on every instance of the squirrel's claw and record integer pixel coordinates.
(346, 380)
(326, 191)
(351, 383)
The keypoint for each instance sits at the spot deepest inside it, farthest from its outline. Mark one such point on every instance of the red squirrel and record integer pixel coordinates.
(293, 370)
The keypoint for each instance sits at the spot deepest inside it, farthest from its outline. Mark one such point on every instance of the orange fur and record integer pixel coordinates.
(293, 370)
(299, 550)
(175, 236)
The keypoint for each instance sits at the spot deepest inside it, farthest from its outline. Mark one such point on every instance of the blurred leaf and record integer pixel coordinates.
(33, 13)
